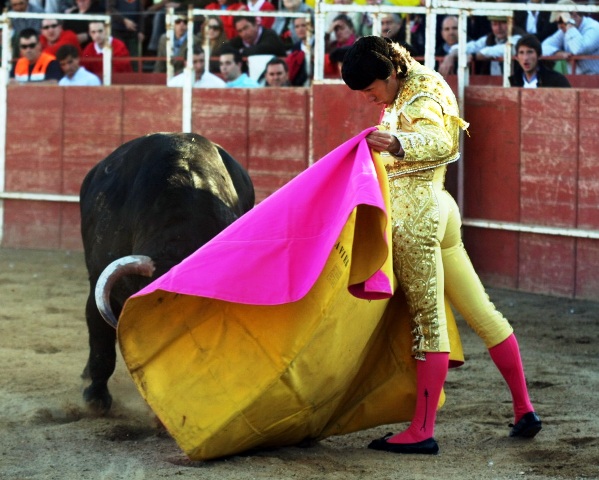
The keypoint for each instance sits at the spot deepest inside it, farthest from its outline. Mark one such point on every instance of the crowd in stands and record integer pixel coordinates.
(263, 51)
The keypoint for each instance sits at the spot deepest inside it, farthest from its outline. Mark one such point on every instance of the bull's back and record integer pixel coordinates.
(161, 195)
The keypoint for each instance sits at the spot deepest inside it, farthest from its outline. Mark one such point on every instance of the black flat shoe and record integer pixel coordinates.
(426, 447)
(527, 427)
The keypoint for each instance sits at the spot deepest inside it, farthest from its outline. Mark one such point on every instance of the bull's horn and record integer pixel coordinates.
(129, 265)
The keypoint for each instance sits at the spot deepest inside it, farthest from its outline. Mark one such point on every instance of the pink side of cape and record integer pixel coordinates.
(275, 253)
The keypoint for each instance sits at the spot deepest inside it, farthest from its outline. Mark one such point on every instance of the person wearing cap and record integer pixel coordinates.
(489, 49)
(529, 72)
(576, 34)
(417, 138)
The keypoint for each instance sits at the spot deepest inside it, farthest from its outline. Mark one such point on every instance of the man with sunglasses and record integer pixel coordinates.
(35, 65)
(20, 23)
(179, 45)
(53, 36)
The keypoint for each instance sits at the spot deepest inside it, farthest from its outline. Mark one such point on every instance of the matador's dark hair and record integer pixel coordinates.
(373, 58)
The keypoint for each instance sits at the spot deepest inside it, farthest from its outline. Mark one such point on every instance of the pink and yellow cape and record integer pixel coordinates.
(284, 327)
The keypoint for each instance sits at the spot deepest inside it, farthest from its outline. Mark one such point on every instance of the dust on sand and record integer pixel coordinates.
(46, 432)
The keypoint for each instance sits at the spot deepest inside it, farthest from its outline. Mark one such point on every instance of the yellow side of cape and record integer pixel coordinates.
(224, 377)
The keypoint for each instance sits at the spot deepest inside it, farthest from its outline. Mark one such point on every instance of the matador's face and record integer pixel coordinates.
(382, 92)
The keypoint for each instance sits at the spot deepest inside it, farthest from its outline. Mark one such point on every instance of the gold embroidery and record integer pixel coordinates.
(425, 119)
(415, 216)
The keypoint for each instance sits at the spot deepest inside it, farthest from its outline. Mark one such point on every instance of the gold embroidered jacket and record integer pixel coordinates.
(426, 120)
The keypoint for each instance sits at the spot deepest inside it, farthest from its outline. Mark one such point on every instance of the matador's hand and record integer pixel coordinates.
(380, 141)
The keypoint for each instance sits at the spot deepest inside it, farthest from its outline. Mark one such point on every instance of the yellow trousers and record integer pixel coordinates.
(430, 261)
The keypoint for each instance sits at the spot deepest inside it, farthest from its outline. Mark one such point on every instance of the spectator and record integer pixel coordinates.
(284, 26)
(262, 6)
(228, 21)
(276, 73)
(365, 21)
(157, 13)
(52, 6)
(128, 23)
(35, 65)
(336, 58)
(331, 16)
(478, 26)
(417, 38)
(490, 48)
(449, 35)
(179, 45)
(345, 36)
(576, 35)
(231, 68)
(202, 78)
(19, 24)
(91, 7)
(216, 38)
(391, 24)
(529, 72)
(535, 22)
(68, 57)
(24, 6)
(57, 6)
(93, 53)
(345, 33)
(300, 73)
(254, 39)
(54, 36)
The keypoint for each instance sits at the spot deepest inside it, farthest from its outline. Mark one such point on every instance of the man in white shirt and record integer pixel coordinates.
(202, 78)
(491, 47)
(74, 74)
(576, 35)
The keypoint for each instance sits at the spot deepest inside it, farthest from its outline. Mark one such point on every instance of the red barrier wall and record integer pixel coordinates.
(531, 157)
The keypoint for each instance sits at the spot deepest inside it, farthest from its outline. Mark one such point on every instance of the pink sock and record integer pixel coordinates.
(507, 358)
(430, 377)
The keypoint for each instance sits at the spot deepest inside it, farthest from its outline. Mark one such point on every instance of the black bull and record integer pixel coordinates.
(163, 196)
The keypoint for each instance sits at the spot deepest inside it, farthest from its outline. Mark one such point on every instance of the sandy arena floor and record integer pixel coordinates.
(47, 433)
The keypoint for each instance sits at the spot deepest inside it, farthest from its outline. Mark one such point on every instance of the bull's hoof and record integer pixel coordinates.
(98, 399)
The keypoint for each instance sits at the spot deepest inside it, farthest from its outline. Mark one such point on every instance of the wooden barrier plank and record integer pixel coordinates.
(93, 128)
(556, 160)
(547, 264)
(549, 157)
(34, 138)
(150, 109)
(492, 154)
(221, 115)
(339, 114)
(31, 224)
(276, 125)
(265, 183)
(277, 131)
(588, 160)
(494, 254)
(70, 227)
(587, 259)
